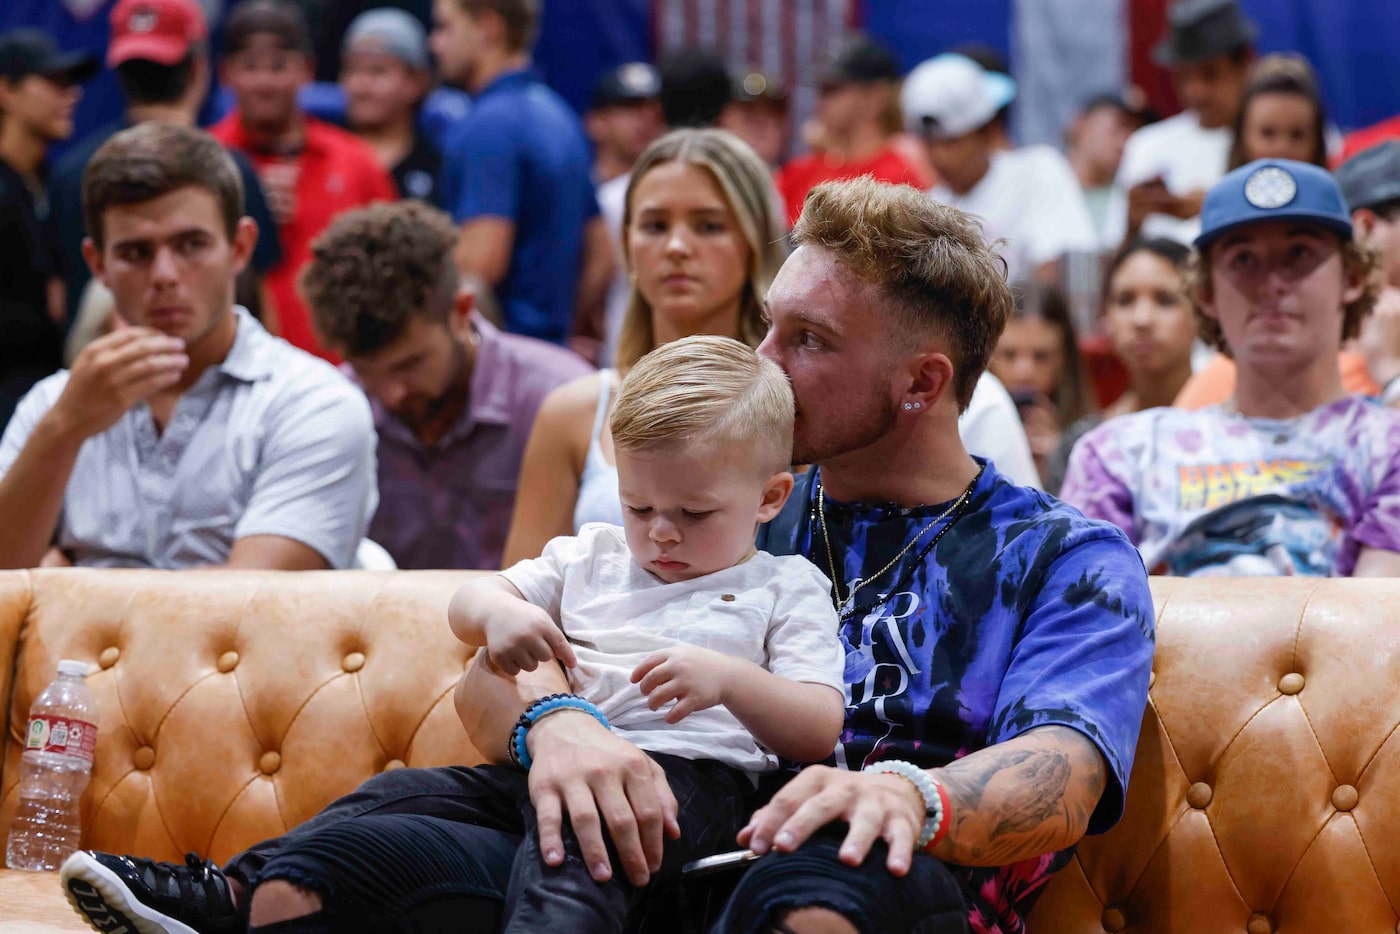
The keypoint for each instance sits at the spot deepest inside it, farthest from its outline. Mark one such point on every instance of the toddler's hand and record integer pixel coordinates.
(520, 641)
(693, 677)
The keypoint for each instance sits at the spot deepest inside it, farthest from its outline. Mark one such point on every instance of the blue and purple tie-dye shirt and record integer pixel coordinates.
(1025, 614)
(1214, 493)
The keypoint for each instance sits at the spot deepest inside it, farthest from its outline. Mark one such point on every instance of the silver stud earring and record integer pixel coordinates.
(918, 405)
(908, 406)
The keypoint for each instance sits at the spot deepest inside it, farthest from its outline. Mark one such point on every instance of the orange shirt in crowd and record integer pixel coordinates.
(1216, 382)
(333, 172)
(804, 173)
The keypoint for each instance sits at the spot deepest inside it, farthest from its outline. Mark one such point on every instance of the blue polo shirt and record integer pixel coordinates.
(520, 154)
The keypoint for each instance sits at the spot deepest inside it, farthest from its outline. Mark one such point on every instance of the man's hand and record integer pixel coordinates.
(1186, 206)
(1021, 798)
(115, 372)
(1146, 198)
(54, 558)
(1041, 421)
(524, 636)
(599, 779)
(693, 677)
(879, 806)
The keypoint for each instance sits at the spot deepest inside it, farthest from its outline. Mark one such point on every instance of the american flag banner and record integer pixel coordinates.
(789, 40)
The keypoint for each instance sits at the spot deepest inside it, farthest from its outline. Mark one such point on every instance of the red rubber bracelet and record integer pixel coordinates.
(944, 821)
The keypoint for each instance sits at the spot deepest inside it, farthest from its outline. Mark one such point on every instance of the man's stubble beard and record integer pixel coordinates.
(873, 423)
(457, 388)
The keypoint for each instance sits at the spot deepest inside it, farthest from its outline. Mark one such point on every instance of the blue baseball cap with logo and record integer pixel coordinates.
(1273, 190)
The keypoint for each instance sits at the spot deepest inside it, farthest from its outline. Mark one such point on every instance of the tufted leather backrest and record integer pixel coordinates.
(1265, 795)
(236, 704)
(1266, 791)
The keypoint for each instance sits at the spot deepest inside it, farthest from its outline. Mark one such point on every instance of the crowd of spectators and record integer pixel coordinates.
(606, 236)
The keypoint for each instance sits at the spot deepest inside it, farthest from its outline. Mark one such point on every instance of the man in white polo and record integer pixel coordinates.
(189, 436)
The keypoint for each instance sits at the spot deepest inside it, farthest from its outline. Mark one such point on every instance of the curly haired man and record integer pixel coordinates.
(453, 396)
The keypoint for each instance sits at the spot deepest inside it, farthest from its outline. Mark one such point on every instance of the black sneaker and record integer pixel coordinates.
(126, 894)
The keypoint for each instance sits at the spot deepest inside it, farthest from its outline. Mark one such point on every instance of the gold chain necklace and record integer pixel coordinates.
(844, 606)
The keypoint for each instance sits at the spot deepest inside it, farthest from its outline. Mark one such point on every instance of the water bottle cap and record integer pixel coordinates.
(71, 666)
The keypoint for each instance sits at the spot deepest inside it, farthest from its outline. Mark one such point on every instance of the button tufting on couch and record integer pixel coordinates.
(1265, 796)
(1266, 791)
(234, 705)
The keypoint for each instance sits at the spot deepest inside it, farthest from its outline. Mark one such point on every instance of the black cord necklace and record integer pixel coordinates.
(843, 613)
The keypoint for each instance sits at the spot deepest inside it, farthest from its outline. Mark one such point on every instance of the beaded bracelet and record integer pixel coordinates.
(935, 798)
(553, 703)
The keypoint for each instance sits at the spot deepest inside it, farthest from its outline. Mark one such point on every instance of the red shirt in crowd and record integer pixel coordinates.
(333, 171)
(1366, 137)
(804, 173)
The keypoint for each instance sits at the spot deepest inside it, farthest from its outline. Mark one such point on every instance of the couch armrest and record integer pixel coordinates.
(15, 601)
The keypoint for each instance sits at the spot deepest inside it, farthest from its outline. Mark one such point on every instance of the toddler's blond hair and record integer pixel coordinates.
(706, 391)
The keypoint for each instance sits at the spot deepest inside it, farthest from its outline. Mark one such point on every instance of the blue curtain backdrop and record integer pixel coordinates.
(580, 39)
(922, 28)
(1352, 43)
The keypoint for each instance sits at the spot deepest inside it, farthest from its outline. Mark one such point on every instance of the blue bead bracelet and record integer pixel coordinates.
(519, 755)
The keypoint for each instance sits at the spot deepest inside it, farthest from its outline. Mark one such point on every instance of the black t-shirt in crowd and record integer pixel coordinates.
(416, 175)
(31, 345)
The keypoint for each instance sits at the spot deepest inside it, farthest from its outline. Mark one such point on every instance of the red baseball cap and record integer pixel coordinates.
(161, 31)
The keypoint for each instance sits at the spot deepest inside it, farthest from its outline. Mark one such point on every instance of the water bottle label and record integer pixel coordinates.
(60, 735)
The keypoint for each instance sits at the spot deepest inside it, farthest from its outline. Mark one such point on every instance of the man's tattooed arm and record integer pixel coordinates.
(1021, 798)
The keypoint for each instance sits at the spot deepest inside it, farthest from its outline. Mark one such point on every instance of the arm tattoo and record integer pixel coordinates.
(1047, 778)
(1022, 798)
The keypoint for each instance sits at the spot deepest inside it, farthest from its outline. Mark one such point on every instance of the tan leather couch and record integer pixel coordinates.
(1266, 794)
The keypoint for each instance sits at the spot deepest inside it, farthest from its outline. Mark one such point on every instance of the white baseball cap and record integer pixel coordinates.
(950, 95)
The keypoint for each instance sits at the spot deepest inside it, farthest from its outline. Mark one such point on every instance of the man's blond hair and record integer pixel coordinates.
(930, 260)
(708, 391)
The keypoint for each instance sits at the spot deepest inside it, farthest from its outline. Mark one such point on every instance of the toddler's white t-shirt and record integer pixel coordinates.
(774, 611)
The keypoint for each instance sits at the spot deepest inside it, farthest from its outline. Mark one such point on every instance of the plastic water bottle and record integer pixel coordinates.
(53, 771)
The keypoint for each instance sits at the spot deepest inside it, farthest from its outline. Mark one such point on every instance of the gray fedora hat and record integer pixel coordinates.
(1202, 29)
(1371, 177)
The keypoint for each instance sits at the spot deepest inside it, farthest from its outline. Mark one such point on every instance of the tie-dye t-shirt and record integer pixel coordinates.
(1025, 614)
(1213, 493)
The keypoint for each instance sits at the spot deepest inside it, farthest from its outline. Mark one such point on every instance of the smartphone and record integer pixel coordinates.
(710, 865)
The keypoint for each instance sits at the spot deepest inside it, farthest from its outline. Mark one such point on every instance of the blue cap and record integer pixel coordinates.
(1273, 190)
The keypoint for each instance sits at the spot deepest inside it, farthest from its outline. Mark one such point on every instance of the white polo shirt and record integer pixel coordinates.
(272, 441)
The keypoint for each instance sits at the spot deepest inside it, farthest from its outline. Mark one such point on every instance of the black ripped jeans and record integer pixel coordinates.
(457, 849)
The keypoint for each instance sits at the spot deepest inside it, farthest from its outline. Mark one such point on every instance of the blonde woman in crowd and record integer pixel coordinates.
(702, 236)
